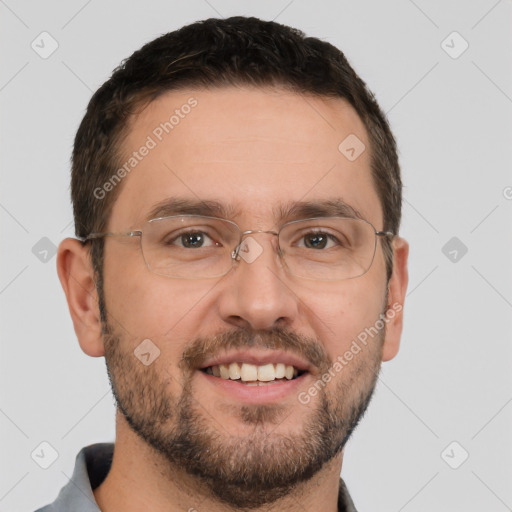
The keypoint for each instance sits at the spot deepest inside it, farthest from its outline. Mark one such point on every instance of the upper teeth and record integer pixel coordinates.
(252, 372)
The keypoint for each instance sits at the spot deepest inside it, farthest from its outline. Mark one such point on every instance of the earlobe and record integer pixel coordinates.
(77, 279)
(397, 289)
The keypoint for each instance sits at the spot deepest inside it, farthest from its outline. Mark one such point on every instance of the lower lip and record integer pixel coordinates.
(259, 394)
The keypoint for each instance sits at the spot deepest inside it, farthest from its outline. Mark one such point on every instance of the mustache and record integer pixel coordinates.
(203, 348)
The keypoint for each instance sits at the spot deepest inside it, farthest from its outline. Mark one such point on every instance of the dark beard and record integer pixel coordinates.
(263, 466)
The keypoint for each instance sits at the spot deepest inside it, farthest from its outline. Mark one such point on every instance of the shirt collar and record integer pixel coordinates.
(92, 466)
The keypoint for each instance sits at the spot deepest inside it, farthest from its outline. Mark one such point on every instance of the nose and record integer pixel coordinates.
(257, 292)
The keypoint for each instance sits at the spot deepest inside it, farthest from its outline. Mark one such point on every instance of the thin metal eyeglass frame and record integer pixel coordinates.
(235, 252)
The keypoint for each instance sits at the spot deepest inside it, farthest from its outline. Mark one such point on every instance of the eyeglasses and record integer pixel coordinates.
(201, 247)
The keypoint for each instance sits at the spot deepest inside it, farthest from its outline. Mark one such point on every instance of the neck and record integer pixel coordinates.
(142, 479)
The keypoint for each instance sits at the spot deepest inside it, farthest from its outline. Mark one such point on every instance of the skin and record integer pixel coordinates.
(252, 149)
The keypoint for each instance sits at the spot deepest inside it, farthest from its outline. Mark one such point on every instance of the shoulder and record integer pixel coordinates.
(92, 465)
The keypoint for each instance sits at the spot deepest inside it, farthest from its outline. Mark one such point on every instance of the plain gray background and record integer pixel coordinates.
(452, 116)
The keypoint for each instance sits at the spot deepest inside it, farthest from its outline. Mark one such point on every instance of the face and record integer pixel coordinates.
(252, 151)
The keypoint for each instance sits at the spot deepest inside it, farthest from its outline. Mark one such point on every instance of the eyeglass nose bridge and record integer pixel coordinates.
(236, 253)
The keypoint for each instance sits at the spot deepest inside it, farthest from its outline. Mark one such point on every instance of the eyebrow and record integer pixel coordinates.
(293, 210)
(185, 206)
(335, 207)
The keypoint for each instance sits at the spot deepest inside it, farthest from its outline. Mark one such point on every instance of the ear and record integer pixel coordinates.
(397, 288)
(76, 276)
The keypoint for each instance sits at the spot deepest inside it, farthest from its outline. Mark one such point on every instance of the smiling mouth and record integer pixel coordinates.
(254, 375)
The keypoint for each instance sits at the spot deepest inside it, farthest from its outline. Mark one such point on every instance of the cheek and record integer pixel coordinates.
(146, 304)
(345, 311)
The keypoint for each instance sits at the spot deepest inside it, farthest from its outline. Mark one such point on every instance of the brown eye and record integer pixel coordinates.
(315, 241)
(319, 240)
(192, 240)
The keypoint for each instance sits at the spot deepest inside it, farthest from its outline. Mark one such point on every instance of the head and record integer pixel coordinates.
(247, 119)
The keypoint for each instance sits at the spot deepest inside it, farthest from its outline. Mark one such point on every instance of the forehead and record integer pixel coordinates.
(256, 151)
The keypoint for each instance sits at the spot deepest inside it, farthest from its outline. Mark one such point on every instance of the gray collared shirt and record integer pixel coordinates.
(92, 465)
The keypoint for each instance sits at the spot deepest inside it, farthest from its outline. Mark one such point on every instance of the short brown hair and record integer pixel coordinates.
(215, 53)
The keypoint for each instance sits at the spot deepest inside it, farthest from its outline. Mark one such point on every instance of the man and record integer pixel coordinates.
(237, 200)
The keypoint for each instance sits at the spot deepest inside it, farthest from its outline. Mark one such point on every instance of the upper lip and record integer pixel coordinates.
(257, 358)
